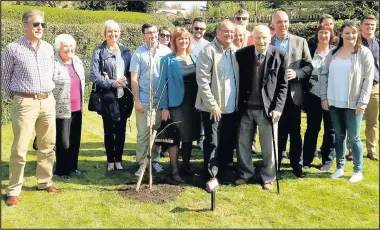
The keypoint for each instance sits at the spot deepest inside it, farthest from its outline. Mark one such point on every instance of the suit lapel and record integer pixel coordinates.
(268, 57)
(290, 49)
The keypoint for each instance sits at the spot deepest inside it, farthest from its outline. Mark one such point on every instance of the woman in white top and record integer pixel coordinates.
(346, 83)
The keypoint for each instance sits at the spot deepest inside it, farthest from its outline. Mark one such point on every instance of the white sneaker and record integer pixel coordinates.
(138, 172)
(157, 167)
(356, 177)
(118, 166)
(111, 167)
(326, 167)
(338, 173)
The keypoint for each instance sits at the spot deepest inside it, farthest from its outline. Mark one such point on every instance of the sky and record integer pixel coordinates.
(187, 4)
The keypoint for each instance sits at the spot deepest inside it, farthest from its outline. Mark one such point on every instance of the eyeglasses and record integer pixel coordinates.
(199, 28)
(152, 32)
(241, 18)
(37, 24)
(165, 35)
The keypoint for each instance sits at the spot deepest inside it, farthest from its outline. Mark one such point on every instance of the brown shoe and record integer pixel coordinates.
(268, 186)
(12, 201)
(373, 156)
(52, 189)
(349, 156)
(241, 181)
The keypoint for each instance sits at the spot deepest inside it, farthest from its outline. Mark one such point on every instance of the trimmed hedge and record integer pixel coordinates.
(70, 16)
(305, 30)
(85, 26)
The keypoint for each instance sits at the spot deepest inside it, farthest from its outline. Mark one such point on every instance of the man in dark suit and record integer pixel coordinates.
(262, 94)
(299, 70)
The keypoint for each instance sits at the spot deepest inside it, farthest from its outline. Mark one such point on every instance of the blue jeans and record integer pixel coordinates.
(345, 121)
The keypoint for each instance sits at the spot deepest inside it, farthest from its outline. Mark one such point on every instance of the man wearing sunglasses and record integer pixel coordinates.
(198, 29)
(27, 75)
(241, 17)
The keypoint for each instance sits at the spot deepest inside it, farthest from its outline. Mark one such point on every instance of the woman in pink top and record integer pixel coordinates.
(69, 82)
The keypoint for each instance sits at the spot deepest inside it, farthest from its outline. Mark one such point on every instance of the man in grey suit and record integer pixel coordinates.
(299, 70)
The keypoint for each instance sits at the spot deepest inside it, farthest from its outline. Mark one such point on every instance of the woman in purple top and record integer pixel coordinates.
(69, 82)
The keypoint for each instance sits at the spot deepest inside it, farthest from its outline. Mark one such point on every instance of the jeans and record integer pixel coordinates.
(346, 122)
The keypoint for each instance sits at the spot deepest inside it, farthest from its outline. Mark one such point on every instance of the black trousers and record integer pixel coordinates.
(219, 143)
(315, 114)
(68, 136)
(290, 124)
(114, 135)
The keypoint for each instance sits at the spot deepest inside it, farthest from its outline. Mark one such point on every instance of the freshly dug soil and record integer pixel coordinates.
(159, 194)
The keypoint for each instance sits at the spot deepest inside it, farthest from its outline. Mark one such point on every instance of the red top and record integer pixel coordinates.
(75, 89)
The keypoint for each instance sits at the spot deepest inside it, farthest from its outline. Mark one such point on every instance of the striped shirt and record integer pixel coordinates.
(25, 70)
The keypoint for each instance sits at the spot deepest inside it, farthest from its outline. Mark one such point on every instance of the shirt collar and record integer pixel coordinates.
(257, 52)
(285, 38)
(29, 42)
(157, 47)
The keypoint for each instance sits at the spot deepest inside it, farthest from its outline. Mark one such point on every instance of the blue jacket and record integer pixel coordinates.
(172, 92)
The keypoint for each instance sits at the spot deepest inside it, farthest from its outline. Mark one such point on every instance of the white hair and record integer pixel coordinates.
(277, 13)
(262, 29)
(64, 38)
(110, 24)
(240, 29)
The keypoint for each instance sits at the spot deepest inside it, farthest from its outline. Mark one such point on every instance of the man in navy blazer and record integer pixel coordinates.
(299, 70)
(262, 94)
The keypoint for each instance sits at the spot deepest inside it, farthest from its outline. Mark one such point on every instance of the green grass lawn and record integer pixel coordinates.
(92, 200)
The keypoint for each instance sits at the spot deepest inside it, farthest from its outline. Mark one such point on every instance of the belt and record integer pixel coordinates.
(39, 96)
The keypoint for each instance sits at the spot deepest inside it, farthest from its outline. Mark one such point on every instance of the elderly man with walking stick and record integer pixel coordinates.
(262, 95)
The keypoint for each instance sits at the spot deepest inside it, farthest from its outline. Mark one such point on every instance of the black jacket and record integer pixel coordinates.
(104, 61)
(275, 82)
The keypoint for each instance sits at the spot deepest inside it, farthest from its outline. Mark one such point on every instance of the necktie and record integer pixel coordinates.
(260, 57)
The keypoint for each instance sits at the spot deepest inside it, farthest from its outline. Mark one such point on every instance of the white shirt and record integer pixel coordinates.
(197, 46)
(338, 83)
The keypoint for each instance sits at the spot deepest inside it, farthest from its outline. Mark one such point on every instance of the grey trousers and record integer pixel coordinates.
(250, 119)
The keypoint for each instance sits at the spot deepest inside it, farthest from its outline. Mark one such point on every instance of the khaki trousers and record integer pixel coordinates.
(142, 125)
(371, 119)
(27, 114)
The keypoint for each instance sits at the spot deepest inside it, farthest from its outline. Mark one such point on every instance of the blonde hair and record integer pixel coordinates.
(180, 32)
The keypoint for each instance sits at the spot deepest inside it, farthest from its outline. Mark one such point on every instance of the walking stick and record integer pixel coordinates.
(275, 157)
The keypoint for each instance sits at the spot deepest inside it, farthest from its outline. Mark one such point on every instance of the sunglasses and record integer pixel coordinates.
(199, 28)
(37, 24)
(241, 18)
(165, 35)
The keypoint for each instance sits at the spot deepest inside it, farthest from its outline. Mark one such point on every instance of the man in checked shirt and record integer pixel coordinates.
(27, 77)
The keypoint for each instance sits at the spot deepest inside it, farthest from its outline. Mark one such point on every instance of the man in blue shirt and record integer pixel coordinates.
(299, 69)
(145, 63)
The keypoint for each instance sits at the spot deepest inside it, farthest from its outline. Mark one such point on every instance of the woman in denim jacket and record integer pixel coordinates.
(346, 83)
(110, 72)
(69, 79)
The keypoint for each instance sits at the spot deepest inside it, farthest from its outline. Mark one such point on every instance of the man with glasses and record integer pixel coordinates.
(217, 100)
(241, 17)
(198, 29)
(145, 62)
(27, 75)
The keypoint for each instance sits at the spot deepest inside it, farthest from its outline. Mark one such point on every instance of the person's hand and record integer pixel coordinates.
(139, 107)
(325, 105)
(275, 115)
(359, 111)
(165, 115)
(291, 74)
(105, 76)
(115, 84)
(217, 114)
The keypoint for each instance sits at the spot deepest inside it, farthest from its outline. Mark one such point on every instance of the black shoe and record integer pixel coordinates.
(35, 144)
(298, 172)
(226, 177)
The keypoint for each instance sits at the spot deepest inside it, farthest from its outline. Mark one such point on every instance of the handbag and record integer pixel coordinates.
(95, 101)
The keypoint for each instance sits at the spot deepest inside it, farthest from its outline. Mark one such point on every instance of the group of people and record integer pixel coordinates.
(217, 92)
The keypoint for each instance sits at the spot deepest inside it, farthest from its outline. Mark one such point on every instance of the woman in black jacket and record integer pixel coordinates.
(110, 73)
(324, 38)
